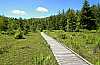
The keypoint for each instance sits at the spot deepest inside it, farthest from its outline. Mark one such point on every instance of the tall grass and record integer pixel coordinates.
(87, 44)
(32, 50)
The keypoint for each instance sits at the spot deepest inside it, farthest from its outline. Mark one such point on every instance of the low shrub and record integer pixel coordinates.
(63, 36)
(83, 30)
(19, 35)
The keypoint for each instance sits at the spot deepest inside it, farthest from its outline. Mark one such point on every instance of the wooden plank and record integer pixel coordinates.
(63, 55)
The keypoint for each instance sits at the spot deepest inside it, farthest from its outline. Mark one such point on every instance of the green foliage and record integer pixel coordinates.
(88, 19)
(83, 30)
(98, 15)
(87, 44)
(71, 21)
(1, 22)
(30, 51)
(19, 35)
(4, 49)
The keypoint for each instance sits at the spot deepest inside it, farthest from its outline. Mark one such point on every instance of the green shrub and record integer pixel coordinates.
(63, 36)
(25, 32)
(83, 30)
(96, 48)
(98, 29)
(19, 35)
(93, 31)
(3, 32)
(11, 32)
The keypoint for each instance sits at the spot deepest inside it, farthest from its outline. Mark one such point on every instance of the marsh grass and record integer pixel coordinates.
(86, 44)
(30, 51)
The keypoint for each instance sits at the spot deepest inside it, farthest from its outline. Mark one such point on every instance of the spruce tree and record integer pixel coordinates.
(87, 19)
(98, 15)
(71, 20)
(85, 14)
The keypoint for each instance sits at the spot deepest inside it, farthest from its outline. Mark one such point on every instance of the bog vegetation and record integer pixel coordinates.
(88, 18)
(30, 51)
(14, 32)
(86, 44)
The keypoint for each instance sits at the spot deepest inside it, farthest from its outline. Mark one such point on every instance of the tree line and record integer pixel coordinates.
(73, 20)
(88, 18)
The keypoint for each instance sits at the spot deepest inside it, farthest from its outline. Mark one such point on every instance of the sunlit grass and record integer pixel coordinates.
(30, 51)
(86, 44)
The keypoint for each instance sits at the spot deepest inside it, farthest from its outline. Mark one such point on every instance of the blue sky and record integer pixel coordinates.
(38, 8)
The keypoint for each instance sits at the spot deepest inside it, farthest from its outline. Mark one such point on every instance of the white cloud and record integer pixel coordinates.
(18, 12)
(42, 9)
(39, 16)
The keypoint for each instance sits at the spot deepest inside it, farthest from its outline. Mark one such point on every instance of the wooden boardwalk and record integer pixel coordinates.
(63, 55)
